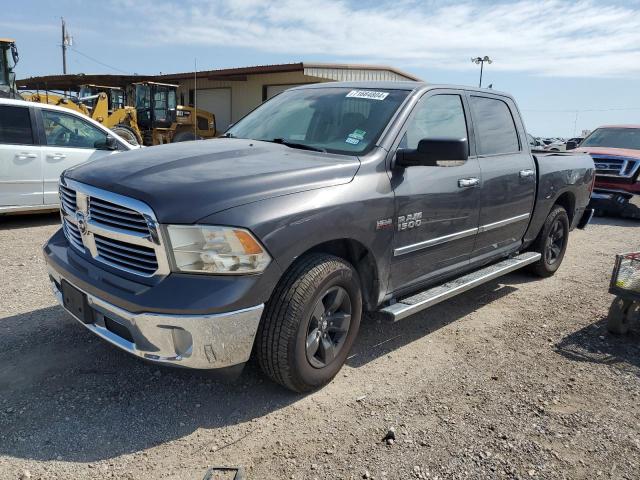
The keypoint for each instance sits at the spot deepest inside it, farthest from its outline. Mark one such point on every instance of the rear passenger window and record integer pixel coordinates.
(15, 126)
(495, 129)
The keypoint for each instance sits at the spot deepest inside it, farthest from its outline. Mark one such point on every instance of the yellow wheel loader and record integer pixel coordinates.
(98, 104)
(153, 118)
(54, 99)
(107, 105)
(8, 60)
(162, 120)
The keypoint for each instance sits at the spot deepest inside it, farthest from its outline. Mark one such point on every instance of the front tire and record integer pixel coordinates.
(551, 243)
(310, 323)
(128, 133)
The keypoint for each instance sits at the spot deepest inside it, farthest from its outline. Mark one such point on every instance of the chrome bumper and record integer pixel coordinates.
(191, 341)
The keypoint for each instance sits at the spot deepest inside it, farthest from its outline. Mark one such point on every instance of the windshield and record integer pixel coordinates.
(337, 120)
(143, 97)
(614, 138)
(86, 91)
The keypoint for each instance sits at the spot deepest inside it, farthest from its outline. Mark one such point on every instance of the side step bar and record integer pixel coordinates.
(410, 305)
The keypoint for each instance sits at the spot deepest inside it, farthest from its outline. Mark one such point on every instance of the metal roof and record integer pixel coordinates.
(332, 71)
(72, 82)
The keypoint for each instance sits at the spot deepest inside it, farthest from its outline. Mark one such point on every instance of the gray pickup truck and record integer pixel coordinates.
(325, 202)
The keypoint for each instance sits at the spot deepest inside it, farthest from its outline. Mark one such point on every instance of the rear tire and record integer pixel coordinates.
(185, 137)
(310, 323)
(551, 243)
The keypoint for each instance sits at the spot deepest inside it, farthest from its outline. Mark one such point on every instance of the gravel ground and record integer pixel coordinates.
(516, 379)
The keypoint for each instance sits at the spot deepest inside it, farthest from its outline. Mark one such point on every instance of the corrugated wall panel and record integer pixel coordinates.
(354, 74)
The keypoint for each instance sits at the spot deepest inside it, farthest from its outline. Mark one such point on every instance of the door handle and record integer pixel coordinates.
(527, 173)
(468, 182)
(25, 155)
(57, 156)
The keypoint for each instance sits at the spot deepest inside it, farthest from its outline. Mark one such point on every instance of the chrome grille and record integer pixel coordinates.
(615, 166)
(67, 199)
(73, 235)
(112, 215)
(133, 258)
(115, 230)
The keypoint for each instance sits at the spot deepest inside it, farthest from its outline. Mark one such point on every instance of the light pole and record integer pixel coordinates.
(480, 60)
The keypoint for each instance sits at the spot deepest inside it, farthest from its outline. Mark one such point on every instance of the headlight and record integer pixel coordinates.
(216, 250)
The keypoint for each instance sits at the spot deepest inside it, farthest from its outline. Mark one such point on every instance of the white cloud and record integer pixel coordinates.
(552, 37)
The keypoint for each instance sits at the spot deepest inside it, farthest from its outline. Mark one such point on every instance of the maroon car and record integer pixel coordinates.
(616, 153)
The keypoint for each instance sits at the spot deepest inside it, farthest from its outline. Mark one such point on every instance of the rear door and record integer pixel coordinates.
(20, 158)
(508, 175)
(68, 140)
(436, 207)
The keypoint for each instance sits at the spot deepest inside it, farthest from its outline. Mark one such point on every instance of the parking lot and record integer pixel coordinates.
(516, 379)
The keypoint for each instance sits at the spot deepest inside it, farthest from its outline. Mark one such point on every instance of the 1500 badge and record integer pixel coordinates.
(409, 221)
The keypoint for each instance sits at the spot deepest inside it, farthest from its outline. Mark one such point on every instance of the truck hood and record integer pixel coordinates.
(618, 152)
(184, 182)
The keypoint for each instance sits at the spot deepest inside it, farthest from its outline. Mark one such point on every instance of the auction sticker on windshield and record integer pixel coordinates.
(370, 94)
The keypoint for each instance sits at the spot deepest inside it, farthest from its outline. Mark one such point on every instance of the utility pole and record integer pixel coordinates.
(67, 41)
(64, 47)
(480, 61)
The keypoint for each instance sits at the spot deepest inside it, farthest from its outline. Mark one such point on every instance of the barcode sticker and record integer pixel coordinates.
(370, 94)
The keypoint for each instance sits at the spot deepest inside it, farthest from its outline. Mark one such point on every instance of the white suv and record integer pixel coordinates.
(38, 142)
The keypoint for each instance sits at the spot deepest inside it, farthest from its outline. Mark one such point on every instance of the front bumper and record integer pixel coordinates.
(210, 341)
(620, 202)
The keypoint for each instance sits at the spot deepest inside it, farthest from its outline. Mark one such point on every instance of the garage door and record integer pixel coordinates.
(273, 90)
(218, 102)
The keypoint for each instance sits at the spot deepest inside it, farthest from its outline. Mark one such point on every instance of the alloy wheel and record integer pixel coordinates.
(555, 242)
(328, 327)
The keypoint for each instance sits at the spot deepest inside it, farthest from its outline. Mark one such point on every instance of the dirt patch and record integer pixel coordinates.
(516, 379)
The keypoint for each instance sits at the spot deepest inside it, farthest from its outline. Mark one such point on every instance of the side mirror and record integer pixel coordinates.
(571, 145)
(432, 150)
(14, 54)
(110, 143)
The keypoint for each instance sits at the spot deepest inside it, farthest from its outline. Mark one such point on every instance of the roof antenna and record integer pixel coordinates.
(195, 98)
(490, 85)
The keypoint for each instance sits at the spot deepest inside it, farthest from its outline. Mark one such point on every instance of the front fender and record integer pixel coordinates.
(290, 225)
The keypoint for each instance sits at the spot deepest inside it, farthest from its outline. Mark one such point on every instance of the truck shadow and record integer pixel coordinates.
(15, 222)
(379, 336)
(594, 344)
(67, 395)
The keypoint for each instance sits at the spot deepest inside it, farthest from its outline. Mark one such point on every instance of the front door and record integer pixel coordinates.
(20, 158)
(436, 207)
(508, 175)
(69, 141)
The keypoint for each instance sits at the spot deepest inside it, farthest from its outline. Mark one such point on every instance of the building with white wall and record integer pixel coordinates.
(229, 93)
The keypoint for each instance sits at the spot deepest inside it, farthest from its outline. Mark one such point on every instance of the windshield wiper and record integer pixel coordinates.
(301, 146)
(227, 135)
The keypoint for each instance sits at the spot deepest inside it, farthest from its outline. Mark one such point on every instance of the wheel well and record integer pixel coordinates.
(362, 260)
(568, 202)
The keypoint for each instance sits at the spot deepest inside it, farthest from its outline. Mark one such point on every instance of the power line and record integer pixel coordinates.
(585, 110)
(97, 61)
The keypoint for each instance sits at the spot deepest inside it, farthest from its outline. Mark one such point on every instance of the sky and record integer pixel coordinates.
(570, 65)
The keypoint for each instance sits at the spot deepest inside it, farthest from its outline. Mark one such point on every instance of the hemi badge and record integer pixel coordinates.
(384, 224)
